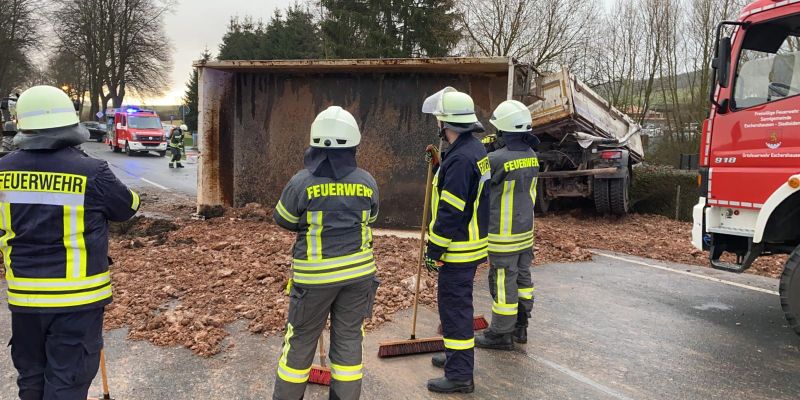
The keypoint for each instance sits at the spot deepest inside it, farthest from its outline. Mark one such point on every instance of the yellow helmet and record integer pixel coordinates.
(450, 105)
(335, 128)
(45, 107)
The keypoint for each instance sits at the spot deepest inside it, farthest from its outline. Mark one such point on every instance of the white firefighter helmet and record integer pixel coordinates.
(45, 107)
(450, 105)
(512, 116)
(335, 128)
(184, 128)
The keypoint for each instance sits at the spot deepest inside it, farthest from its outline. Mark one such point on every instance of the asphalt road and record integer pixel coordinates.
(617, 327)
(147, 171)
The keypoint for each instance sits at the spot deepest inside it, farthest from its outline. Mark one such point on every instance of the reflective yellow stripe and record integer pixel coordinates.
(459, 344)
(135, 202)
(332, 262)
(285, 372)
(73, 241)
(501, 285)
(58, 300)
(465, 257)
(525, 293)
(468, 245)
(5, 225)
(533, 189)
(314, 235)
(474, 231)
(438, 240)
(347, 373)
(285, 214)
(373, 218)
(336, 276)
(453, 200)
(57, 284)
(504, 309)
(493, 237)
(364, 229)
(507, 207)
(495, 247)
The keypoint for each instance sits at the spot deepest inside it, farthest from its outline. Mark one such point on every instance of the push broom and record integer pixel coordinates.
(414, 345)
(320, 374)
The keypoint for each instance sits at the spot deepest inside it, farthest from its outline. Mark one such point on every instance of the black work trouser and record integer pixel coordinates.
(456, 314)
(176, 155)
(56, 355)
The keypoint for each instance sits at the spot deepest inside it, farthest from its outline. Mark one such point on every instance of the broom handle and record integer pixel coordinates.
(321, 349)
(103, 374)
(425, 208)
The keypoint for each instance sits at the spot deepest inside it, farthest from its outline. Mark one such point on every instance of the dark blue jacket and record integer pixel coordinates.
(460, 204)
(54, 211)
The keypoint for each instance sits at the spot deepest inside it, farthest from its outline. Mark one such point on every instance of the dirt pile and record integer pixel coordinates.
(182, 286)
(568, 238)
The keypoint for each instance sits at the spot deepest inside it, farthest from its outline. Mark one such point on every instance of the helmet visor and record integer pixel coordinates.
(434, 103)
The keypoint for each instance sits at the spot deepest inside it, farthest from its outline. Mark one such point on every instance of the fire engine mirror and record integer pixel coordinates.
(722, 62)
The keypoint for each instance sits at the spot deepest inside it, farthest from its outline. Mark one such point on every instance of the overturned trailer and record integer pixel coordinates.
(255, 118)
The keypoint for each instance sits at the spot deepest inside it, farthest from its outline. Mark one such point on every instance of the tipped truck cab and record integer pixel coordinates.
(136, 130)
(750, 148)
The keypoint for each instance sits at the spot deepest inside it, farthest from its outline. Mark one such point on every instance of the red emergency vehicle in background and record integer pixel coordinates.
(750, 149)
(135, 131)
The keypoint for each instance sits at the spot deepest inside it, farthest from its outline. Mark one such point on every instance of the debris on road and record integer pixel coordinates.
(180, 281)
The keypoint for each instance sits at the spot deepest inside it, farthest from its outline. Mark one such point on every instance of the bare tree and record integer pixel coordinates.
(19, 36)
(542, 32)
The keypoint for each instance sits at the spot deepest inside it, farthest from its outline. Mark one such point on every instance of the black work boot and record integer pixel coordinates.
(171, 165)
(520, 334)
(180, 165)
(496, 341)
(444, 385)
(439, 360)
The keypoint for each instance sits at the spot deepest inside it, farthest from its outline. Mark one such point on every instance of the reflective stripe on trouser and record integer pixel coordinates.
(455, 314)
(308, 311)
(56, 354)
(505, 275)
(525, 287)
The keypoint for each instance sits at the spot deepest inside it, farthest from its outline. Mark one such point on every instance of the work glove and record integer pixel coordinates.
(433, 265)
(432, 155)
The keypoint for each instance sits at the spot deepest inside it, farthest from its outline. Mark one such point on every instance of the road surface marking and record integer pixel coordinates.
(154, 184)
(677, 271)
(579, 377)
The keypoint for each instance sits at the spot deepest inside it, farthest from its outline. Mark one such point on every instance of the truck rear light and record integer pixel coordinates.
(794, 182)
(699, 180)
(610, 155)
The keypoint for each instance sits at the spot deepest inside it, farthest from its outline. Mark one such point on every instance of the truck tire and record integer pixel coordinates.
(542, 204)
(602, 200)
(618, 195)
(162, 153)
(128, 150)
(790, 290)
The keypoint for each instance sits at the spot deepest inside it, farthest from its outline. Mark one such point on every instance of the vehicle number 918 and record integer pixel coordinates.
(726, 160)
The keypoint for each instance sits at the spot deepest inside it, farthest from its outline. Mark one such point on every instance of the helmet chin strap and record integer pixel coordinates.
(442, 130)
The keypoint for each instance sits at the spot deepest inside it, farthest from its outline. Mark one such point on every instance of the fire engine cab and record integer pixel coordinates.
(750, 149)
(136, 131)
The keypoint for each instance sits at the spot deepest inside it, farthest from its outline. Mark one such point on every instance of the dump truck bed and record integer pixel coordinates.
(569, 105)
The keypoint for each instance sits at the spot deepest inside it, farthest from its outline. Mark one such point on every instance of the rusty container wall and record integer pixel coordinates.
(273, 112)
(214, 173)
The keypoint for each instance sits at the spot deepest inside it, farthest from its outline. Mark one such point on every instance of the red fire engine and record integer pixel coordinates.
(135, 130)
(750, 149)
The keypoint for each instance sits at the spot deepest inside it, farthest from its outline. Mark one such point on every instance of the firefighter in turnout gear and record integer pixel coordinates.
(515, 168)
(176, 146)
(331, 204)
(457, 235)
(55, 204)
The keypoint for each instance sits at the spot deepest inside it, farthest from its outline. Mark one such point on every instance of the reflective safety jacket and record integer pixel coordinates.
(332, 219)
(54, 211)
(513, 193)
(176, 140)
(458, 230)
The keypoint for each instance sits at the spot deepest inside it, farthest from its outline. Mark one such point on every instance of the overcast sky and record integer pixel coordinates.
(199, 24)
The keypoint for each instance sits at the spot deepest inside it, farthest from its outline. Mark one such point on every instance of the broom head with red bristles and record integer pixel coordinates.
(411, 346)
(320, 375)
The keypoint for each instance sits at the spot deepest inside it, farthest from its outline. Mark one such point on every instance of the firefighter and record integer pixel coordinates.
(331, 205)
(457, 235)
(55, 204)
(515, 168)
(176, 146)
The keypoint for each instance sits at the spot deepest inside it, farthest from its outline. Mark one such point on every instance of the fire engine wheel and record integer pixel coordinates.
(790, 290)
(602, 200)
(162, 153)
(618, 195)
(128, 150)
